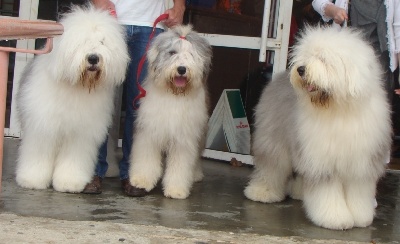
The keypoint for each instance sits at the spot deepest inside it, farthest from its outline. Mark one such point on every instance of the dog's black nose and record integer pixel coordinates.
(93, 59)
(301, 70)
(181, 70)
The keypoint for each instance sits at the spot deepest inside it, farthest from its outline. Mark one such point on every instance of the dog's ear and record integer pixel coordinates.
(203, 49)
(352, 79)
(152, 54)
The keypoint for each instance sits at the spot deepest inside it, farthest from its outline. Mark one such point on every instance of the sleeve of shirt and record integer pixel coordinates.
(319, 6)
(396, 25)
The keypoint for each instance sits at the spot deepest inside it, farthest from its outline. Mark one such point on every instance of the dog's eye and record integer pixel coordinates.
(172, 53)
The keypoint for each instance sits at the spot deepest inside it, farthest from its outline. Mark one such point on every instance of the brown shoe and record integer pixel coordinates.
(131, 190)
(93, 187)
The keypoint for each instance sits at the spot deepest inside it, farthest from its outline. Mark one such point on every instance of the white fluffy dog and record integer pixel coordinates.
(172, 117)
(324, 136)
(65, 101)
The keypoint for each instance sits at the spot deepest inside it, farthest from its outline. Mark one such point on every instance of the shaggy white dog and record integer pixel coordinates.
(324, 136)
(65, 101)
(172, 117)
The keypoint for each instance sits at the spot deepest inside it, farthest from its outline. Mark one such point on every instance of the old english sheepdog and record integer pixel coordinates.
(323, 130)
(172, 117)
(65, 101)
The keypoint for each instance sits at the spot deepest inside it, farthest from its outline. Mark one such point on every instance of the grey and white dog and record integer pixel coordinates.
(172, 117)
(327, 120)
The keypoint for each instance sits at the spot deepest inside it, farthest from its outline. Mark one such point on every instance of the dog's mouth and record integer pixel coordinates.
(317, 95)
(91, 77)
(179, 85)
(93, 68)
(310, 88)
(180, 81)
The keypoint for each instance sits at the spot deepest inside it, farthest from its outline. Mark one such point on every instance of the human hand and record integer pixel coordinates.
(175, 15)
(104, 5)
(338, 15)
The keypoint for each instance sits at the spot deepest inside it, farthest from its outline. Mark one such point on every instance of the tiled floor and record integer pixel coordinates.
(216, 204)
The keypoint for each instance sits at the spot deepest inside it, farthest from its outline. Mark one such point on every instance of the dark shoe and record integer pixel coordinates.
(131, 190)
(93, 187)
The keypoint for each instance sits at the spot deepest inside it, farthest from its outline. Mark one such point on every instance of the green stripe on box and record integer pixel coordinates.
(235, 103)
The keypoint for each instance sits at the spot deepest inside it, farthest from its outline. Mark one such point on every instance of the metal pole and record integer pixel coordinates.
(3, 94)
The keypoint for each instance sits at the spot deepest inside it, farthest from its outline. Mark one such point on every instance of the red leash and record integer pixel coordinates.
(142, 91)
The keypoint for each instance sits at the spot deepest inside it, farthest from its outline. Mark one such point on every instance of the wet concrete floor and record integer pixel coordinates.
(215, 204)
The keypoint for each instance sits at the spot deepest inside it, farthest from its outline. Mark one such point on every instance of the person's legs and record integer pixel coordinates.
(138, 37)
(102, 165)
(94, 187)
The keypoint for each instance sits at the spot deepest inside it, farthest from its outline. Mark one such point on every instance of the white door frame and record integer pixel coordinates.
(279, 44)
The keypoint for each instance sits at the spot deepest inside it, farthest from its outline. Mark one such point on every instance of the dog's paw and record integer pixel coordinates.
(32, 182)
(68, 186)
(69, 180)
(363, 212)
(142, 182)
(335, 218)
(176, 193)
(363, 221)
(32, 175)
(263, 194)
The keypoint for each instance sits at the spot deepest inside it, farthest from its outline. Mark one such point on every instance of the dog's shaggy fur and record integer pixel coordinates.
(172, 118)
(330, 125)
(65, 101)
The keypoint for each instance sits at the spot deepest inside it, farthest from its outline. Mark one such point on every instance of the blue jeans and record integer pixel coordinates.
(137, 39)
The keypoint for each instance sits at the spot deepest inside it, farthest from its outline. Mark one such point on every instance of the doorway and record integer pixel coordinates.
(250, 41)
